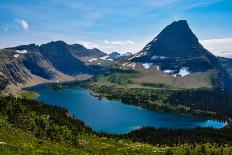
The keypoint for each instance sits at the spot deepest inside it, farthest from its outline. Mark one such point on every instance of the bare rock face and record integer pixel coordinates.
(37, 65)
(20, 68)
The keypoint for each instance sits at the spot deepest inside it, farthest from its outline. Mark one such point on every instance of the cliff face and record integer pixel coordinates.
(37, 64)
(18, 68)
(59, 55)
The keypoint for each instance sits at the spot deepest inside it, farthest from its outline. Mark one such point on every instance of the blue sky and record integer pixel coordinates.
(113, 25)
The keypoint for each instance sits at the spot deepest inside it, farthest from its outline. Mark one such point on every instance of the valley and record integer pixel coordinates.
(170, 97)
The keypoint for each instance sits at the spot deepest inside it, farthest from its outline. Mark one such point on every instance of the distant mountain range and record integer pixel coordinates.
(175, 50)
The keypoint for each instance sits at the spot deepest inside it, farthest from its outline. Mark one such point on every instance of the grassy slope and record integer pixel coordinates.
(18, 142)
(27, 94)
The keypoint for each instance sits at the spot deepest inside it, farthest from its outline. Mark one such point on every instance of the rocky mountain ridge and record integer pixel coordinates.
(175, 54)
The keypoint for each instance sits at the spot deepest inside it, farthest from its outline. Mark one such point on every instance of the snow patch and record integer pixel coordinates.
(184, 71)
(94, 59)
(137, 55)
(21, 51)
(147, 65)
(132, 65)
(147, 47)
(110, 59)
(16, 55)
(154, 40)
(158, 67)
(124, 64)
(169, 71)
(105, 57)
(174, 75)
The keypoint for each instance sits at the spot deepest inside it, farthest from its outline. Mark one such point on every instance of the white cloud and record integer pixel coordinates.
(130, 42)
(89, 45)
(23, 24)
(219, 47)
(106, 41)
(119, 42)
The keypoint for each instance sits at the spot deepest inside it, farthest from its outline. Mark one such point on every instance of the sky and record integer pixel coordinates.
(113, 25)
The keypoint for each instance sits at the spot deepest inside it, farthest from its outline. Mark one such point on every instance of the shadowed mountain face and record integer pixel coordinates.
(63, 57)
(176, 46)
(175, 40)
(58, 53)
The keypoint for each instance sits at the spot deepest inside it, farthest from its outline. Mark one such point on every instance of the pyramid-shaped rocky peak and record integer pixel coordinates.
(175, 40)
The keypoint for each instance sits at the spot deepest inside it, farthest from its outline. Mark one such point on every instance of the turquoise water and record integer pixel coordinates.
(114, 116)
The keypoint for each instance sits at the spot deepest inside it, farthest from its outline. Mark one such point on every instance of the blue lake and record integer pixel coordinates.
(114, 116)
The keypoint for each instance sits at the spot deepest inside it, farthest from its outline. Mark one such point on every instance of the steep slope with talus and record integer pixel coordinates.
(19, 68)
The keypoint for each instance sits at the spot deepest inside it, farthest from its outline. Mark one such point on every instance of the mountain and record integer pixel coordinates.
(19, 68)
(114, 55)
(58, 53)
(84, 54)
(176, 48)
(174, 57)
(68, 59)
(54, 61)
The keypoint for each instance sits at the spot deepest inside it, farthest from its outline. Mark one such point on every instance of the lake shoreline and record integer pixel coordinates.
(107, 102)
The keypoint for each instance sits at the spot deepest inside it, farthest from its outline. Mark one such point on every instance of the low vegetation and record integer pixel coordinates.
(27, 94)
(212, 103)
